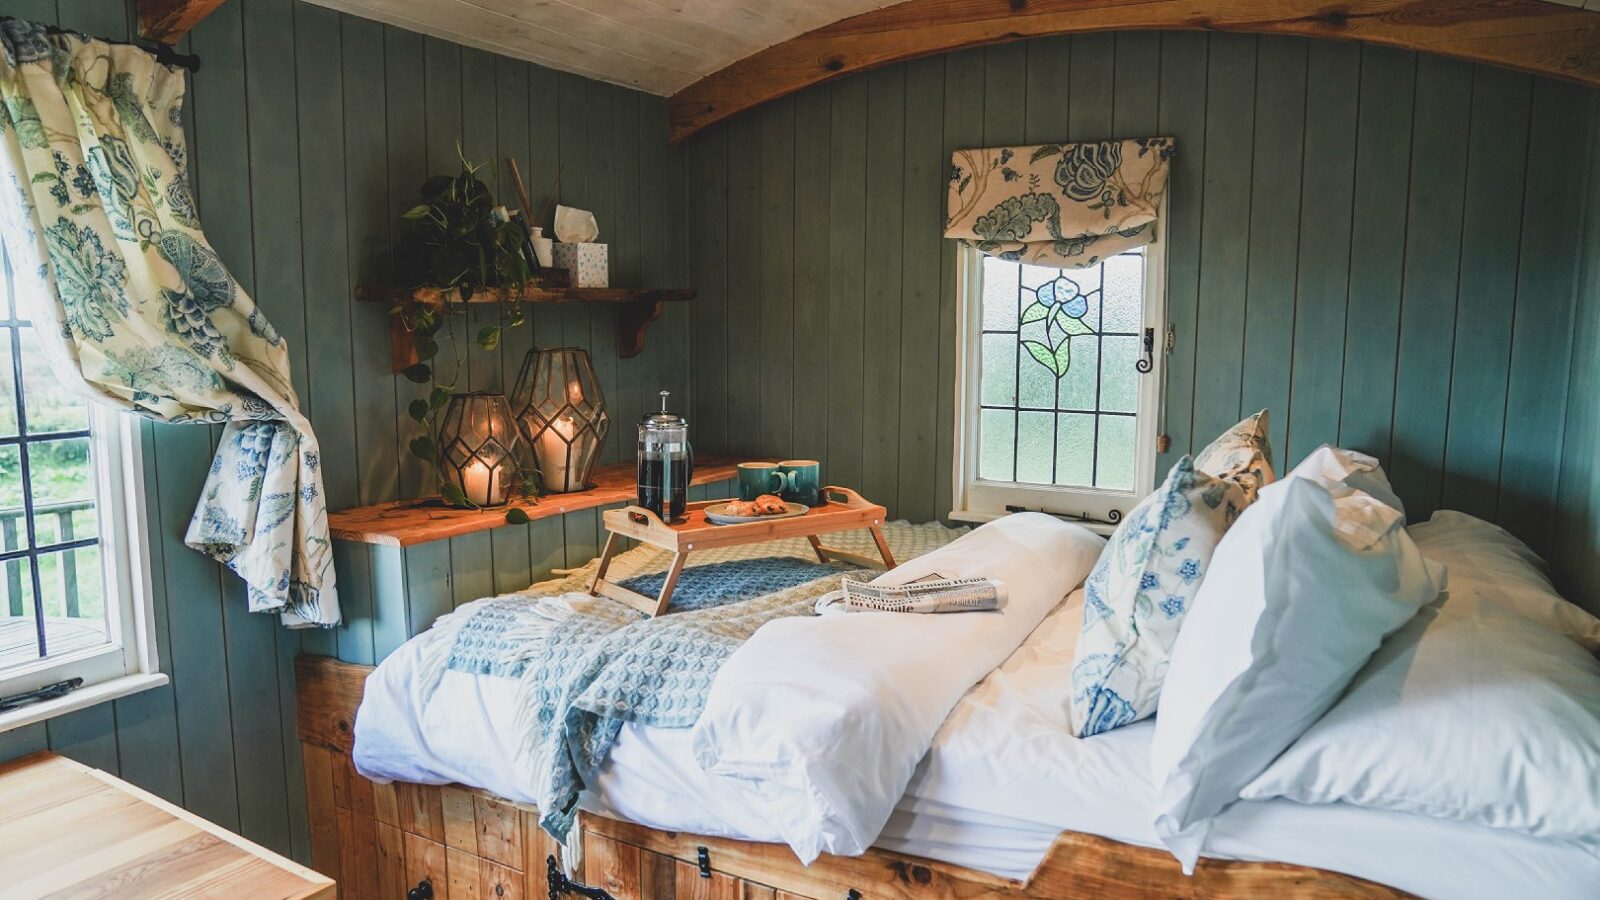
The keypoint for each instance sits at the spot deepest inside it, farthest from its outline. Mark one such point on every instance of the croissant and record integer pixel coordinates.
(770, 505)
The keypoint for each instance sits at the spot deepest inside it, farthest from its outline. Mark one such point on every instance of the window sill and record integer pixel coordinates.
(977, 518)
(80, 698)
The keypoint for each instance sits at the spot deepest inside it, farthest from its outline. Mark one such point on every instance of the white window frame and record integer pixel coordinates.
(128, 663)
(980, 500)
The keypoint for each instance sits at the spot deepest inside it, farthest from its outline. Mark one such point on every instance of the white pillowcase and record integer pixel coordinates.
(1469, 712)
(1487, 561)
(1345, 471)
(1301, 592)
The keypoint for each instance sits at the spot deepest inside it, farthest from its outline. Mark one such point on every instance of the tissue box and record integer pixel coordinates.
(587, 263)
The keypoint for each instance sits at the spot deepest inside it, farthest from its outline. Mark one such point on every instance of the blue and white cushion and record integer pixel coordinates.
(1150, 571)
(1243, 453)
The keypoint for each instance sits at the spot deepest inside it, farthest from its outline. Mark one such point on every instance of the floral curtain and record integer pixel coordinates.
(135, 310)
(1062, 205)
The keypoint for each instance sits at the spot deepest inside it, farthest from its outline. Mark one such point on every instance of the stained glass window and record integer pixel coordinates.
(1058, 393)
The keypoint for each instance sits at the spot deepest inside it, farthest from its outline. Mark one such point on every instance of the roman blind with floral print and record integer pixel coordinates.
(1061, 205)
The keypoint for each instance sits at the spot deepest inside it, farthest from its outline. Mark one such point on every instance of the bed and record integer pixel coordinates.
(1005, 803)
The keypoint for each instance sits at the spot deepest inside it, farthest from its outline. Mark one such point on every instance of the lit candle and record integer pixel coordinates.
(552, 444)
(478, 482)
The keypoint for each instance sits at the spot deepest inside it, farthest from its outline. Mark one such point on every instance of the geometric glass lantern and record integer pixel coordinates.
(562, 415)
(477, 447)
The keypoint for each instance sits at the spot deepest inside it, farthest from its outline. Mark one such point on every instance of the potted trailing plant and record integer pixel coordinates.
(460, 241)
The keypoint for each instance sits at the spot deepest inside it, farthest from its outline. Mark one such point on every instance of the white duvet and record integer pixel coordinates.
(817, 724)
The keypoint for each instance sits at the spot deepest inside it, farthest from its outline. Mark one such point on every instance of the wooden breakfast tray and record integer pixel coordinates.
(841, 510)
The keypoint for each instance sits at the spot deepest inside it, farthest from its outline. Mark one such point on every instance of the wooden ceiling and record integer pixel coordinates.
(657, 46)
(716, 58)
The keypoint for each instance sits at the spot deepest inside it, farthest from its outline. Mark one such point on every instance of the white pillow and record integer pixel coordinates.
(1142, 586)
(1488, 562)
(1302, 590)
(1344, 471)
(1469, 712)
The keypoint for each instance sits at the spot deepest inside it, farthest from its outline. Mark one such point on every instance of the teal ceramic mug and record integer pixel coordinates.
(757, 478)
(802, 481)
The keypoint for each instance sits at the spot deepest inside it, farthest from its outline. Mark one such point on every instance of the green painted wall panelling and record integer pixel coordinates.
(1578, 521)
(309, 132)
(1382, 247)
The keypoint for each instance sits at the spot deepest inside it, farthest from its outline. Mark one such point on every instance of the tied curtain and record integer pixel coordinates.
(135, 310)
(1061, 205)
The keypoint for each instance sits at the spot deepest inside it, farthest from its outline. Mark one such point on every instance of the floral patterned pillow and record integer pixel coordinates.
(1140, 590)
(1243, 453)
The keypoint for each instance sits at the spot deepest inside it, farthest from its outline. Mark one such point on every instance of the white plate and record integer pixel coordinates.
(716, 515)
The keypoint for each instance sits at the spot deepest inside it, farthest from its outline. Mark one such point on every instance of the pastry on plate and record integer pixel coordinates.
(770, 505)
(764, 505)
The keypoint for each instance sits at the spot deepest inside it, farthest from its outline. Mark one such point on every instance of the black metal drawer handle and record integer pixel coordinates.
(560, 884)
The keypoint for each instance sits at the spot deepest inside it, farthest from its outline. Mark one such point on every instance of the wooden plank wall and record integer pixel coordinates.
(1381, 246)
(1578, 525)
(309, 132)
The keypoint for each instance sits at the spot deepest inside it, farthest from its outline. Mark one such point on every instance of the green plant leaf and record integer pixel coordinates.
(454, 495)
(418, 372)
(1042, 353)
(1070, 325)
(516, 515)
(1063, 357)
(427, 347)
(438, 398)
(489, 337)
(1034, 312)
(419, 410)
(422, 448)
(420, 211)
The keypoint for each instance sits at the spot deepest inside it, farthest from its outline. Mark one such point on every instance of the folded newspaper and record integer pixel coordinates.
(933, 593)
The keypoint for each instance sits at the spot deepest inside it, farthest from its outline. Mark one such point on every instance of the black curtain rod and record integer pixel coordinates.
(164, 53)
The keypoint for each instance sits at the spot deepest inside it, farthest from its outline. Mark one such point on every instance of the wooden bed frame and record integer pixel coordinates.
(381, 842)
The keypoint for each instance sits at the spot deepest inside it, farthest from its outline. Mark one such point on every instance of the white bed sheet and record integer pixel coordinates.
(1004, 776)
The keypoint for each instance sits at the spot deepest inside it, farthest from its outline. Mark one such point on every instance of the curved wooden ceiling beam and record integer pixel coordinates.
(1529, 35)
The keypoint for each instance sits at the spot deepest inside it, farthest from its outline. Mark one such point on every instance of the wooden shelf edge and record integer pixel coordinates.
(405, 523)
(637, 309)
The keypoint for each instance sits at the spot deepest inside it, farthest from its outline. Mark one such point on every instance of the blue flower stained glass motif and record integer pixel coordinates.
(1061, 305)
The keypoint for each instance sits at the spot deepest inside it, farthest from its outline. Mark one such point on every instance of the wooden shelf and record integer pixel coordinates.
(637, 308)
(407, 522)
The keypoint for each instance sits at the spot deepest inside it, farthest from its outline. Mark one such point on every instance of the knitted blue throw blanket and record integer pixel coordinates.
(587, 665)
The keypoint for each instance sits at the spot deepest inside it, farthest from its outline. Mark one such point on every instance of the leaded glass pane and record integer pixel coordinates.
(1058, 387)
(999, 383)
(1119, 381)
(1079, 385)
(997, 444)
(1124, 292)
(1035, 447)
(1114, 458)
(1075, 449)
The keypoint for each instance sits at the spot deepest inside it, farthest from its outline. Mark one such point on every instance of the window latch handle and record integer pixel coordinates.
(48, 692)
(1144, 365)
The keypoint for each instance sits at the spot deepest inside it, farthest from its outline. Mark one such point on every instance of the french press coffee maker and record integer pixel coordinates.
(666, 463)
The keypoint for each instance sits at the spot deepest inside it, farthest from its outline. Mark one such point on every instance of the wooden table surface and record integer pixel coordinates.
(69, 831)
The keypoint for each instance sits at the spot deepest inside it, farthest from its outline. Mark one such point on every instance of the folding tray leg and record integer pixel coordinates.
(883, 546)
(670, 582)
(826, 553)
(612, 541)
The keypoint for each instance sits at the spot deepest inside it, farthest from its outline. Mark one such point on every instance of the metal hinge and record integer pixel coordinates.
(703, 856)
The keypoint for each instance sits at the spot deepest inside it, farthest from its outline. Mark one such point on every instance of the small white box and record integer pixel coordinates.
(588, 264)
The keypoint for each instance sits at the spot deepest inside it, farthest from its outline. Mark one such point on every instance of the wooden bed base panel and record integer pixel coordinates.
(381, 841)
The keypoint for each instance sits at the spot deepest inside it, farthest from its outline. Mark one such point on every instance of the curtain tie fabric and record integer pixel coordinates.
(1061, 205)
(135, 310)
